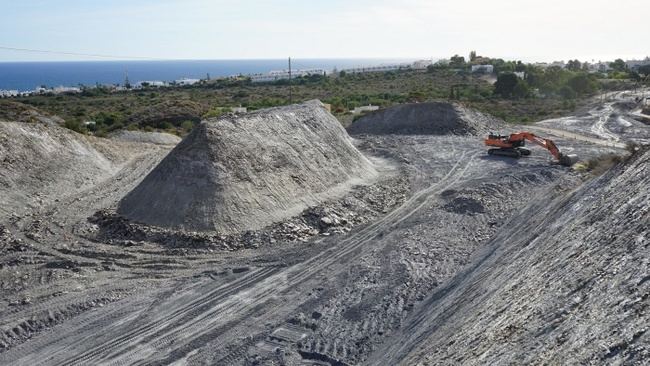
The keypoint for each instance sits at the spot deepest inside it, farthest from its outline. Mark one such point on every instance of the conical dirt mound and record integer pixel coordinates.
(245, 172)
(436, 118)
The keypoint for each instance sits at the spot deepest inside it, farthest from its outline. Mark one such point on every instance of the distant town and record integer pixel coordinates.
(278, 75)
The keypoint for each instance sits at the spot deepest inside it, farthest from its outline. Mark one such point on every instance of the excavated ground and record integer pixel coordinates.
(356, 279)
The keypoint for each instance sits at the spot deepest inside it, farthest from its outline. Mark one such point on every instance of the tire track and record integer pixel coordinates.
(167, 320)
(211, 311)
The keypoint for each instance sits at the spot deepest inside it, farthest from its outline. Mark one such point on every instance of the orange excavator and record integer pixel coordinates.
(513, 146)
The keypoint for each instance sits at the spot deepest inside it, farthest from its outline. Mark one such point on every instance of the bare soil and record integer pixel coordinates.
(450, 256)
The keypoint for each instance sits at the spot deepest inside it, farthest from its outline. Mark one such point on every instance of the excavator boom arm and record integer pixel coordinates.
(507, 144)
(545, 143)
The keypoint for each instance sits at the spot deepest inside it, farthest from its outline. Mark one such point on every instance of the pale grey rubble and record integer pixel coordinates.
(246, 172)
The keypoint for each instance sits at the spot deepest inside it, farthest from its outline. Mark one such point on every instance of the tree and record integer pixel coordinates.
(521, 90)
(472, 56)
(634, 75)
(644, 70)
(618, 65)
(520, 66)
(574, 65)
(506, 84)
(567, 93)
(582, 84)
(457, 61)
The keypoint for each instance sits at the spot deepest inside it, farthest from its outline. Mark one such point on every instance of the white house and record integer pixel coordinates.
(9, 93)
(380, 68)
(483, 69)
(66, 89)
(186, 81)
(283, 75)
(422, 64)
(635, 64)
(239, 109)
(154, 83)
(520, 74)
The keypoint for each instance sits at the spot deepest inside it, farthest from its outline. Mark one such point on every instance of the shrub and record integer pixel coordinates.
(567, 93)
(75, 125)
(214, 112)
(187, 126)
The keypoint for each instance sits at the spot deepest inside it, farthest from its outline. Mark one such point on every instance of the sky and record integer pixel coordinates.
(529, 30)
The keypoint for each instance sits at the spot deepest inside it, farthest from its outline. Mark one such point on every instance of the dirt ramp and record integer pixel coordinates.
(245, 172)
(436, 118)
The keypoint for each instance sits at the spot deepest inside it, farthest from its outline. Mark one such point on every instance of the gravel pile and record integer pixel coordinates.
(245, 172)
(436, 118)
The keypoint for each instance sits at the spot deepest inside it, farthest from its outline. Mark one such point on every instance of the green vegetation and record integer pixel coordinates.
(521, 93)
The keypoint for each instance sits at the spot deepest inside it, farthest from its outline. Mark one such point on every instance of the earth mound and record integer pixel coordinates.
(437, 118)
(41, 162)
(245, 172)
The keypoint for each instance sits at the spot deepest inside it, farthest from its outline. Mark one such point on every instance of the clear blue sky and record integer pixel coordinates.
(216, 29)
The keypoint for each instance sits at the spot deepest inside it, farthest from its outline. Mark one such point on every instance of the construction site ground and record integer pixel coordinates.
(330, 297)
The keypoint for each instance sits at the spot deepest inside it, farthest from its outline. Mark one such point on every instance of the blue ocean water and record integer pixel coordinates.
(25, 76)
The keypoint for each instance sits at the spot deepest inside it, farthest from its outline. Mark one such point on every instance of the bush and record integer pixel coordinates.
(215, 112)
(187, 126)
(582, 84)
(506, 84)
(567, 93)
(75, 125)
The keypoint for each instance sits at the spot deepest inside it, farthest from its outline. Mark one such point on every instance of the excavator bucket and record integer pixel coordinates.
(568, 159)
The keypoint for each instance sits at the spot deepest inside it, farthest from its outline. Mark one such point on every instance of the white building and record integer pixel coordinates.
(153, 83)
(635, 64)
(483, 69)
(66, 90)
(422, 64)
(520, 74)
(365, 108)
(186, 81)
(9, 93)
(284, 74)
(239, 109)
(380, 68)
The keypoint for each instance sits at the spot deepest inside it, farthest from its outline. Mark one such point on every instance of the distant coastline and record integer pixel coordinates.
(24, 76)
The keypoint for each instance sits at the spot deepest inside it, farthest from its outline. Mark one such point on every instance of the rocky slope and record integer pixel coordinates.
(564, 281)
(41, 163)
(246, 172)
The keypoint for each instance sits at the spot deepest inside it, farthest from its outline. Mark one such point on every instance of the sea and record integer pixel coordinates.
(25, 76)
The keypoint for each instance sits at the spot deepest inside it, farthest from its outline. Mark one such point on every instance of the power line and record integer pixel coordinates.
(73, 53)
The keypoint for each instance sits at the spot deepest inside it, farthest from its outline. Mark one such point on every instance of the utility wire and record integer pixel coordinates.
(73, 53)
